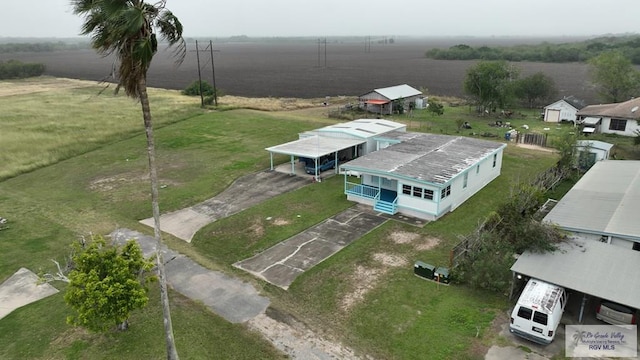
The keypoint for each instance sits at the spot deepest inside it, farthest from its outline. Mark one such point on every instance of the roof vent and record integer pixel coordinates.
(635, 108)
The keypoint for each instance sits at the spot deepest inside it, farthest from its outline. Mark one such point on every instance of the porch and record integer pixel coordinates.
(384, 200)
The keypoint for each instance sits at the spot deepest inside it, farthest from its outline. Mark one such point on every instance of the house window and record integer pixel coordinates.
(636, 246)
(417, 192)
(428, 194)
(495, 159)
(445, 192)
(618, 124)
(465, 179)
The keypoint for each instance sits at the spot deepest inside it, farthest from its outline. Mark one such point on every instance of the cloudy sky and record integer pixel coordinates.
(209, 18)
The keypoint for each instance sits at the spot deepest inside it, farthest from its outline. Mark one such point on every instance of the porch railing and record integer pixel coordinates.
(366, 191)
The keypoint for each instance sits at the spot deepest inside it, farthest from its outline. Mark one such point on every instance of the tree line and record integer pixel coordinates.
(496, 84)
(11, 48)
(14, 69)
(544, 52)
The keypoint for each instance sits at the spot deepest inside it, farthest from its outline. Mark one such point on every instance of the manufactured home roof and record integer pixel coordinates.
(314, 147)
(591, 267)
(425, 157)
(398, 92)
(361, 128)
(605, 201)
(625, 110)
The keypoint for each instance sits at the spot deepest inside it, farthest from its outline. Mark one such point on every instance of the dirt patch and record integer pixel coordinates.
(109, 183)
(427, 243)
(257, 229)
(280, 222)
(364, 279)
(403, 237)
(390, 260)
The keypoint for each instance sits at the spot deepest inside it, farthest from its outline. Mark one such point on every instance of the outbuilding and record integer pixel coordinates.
(561, 110)
(382, 101)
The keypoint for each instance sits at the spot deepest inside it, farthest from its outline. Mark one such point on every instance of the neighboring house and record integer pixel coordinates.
(617, 118)
(422, 175)
(381, 101)
(603, 205)
(340, 142)
(562, 110)
(589, 152)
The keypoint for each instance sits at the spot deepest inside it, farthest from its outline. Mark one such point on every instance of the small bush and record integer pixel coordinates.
(194, 89)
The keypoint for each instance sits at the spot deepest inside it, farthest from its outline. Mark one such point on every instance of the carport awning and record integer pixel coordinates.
(377, 102)
(589, 266)
(591, 120)
(314, 147)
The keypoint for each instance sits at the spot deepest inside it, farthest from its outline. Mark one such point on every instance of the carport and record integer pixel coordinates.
(591, 267)
(314, 147)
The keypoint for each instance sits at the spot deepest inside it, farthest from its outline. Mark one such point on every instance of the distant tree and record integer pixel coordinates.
(614, 76)
(535, 88)
(490, 83)
(106, 284)
(194, 89)
(435, 107)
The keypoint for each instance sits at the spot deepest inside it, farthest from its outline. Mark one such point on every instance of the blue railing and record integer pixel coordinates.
(366, 191)
(387, 207)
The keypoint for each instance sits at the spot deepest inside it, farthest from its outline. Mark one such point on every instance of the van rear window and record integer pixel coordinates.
(540, 318)
(524, 313)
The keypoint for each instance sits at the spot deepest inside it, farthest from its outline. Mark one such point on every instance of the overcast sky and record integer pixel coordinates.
(210, 18)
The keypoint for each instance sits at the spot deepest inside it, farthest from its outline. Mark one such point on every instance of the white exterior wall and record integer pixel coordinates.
(567, 112)
(632, 126)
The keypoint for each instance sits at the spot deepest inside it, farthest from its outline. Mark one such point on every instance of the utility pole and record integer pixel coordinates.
(199, 74)
(213, 74)
(320, 42)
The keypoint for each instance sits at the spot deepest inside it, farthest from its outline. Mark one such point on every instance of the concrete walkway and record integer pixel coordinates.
(281, 264)
(245, 192)
(234, 300)
(22, 288)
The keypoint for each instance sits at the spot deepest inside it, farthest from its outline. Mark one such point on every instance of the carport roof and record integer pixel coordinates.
(603, 270)
(605, 201)
(314, 147)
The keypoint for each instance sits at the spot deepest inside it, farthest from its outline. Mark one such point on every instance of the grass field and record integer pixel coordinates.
(365, 296)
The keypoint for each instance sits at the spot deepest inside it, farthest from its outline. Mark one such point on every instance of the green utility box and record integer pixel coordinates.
(441, 274)
(423, 269)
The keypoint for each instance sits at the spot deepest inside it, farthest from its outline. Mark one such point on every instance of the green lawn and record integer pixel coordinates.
(97, 185)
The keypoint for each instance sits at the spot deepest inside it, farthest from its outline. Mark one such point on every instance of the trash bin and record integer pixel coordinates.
(507, 136)
(441, 275)
(423, 269)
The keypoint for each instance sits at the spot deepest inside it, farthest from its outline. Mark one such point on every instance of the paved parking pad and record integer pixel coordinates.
(282, 263)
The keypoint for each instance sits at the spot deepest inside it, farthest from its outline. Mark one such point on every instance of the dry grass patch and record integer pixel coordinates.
(364, 280)
(41, 84)
(427, 243)
(403, 237)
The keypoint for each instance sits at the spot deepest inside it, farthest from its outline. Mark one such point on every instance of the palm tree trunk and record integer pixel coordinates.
(172, 352)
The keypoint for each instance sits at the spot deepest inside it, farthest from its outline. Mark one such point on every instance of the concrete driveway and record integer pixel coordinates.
(233, 299)
(245, 192)
(282, 263)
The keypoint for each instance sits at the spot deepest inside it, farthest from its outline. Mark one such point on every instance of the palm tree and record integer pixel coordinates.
(127, 29)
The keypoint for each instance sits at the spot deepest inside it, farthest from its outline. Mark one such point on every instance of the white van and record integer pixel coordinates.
(537, 314)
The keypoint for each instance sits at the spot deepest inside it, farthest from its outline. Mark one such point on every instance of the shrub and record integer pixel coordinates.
(194, 89)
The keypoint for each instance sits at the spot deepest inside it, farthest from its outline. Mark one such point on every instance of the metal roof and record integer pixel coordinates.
(361, 128)
(314, 147)
(398, 92)
(605, 201)
(425, 157)
(591, 267)
(594, 144)
(591, 120)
